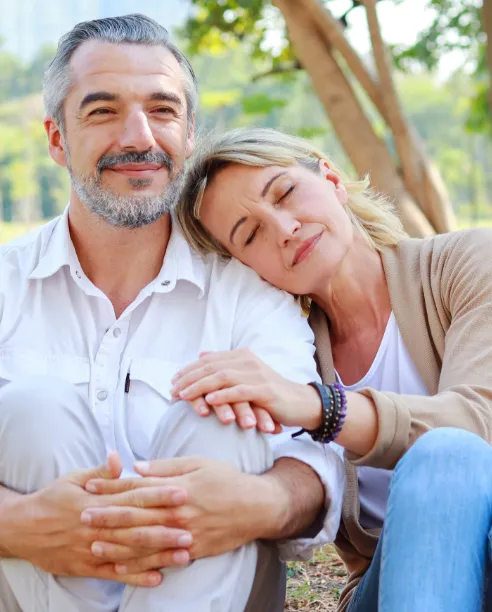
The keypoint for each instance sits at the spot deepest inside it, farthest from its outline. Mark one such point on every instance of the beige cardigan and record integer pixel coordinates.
(441, 294)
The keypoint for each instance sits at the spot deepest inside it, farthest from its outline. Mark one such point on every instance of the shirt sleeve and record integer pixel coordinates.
(270, 323)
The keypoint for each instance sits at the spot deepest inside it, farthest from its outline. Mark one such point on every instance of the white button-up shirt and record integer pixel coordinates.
(55, 321)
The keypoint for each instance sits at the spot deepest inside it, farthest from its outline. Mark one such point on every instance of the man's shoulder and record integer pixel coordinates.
(238, 278)
(22, 254)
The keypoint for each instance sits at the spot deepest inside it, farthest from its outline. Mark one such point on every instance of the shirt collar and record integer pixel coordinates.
(181, 262)
(57, 252)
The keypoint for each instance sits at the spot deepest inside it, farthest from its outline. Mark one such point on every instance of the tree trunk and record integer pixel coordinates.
(487, 28)
(422, 180)
(366, 150)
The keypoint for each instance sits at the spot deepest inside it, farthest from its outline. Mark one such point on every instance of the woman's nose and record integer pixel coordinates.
(286, 227)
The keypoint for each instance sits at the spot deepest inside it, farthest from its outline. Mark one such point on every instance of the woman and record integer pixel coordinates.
(402, 324)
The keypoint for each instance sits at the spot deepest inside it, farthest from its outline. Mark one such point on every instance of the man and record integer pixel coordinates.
(98, 310)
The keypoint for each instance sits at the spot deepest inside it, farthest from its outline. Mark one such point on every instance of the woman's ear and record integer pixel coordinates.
(333, 177)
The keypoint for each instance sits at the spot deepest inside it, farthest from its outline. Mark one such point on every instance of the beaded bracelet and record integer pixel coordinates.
(334, 407)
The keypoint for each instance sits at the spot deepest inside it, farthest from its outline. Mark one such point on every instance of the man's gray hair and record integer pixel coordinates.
(128, 29)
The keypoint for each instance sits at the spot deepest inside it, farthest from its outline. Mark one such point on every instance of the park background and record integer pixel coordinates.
(399, 89)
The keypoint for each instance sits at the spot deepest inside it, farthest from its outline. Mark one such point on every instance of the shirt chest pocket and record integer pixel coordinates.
(16, 365)
(148, 393)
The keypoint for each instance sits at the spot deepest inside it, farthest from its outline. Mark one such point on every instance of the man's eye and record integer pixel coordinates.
(165, 110)
(101, 111)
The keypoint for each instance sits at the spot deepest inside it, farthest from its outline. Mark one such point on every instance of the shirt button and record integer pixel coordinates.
(165, 283)
(78, 274)
(116, 332)
(102, 395)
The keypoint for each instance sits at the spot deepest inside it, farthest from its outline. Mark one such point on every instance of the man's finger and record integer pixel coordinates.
(151, 539)
(146, 497)
(157, 561)
(143, 579)
(165, 468)
(110, 487)
(110, 470)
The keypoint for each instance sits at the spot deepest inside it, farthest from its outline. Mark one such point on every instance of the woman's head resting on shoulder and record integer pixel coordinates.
(281, 207)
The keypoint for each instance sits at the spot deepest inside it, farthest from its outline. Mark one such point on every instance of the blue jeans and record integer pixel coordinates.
(436, 547)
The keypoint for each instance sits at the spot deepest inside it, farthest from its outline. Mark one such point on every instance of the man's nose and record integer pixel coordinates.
(137, 134)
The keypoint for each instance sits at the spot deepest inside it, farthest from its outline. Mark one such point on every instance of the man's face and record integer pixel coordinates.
(126, 133)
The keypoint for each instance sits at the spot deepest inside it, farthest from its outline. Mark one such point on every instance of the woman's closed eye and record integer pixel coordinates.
(251, 237)
(286, 194)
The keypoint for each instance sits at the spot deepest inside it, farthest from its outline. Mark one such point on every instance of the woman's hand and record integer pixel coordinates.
(238, 382)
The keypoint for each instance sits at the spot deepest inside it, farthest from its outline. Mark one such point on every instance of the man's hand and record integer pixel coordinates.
(225, 509)
(45, 528)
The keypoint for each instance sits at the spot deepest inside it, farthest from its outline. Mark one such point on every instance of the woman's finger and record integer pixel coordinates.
(254, 394)
(239, 355)
(209, 383)
(159, 560)
(265, 423)
(244, 415)
(225, 413)
(117, 553)
(200, 406)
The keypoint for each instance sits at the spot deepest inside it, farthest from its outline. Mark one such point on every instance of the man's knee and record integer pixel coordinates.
(44, 424)
(182, 432)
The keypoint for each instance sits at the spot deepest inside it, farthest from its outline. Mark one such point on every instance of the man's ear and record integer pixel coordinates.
(333, 177)
(190, 139)
(56, 142)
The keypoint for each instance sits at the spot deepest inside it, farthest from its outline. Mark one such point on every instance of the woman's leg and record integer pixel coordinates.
(435, 546)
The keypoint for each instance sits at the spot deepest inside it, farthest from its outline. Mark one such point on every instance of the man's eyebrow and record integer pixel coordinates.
(165, 96)
(236, 226)
(269, 183)
(98, 96)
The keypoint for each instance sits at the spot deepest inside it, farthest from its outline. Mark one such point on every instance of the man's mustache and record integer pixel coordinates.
(145, 157)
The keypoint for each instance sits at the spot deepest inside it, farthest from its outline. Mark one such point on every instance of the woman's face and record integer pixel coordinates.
(287, 223)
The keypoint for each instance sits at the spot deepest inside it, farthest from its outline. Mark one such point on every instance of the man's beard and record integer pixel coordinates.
(131, 211)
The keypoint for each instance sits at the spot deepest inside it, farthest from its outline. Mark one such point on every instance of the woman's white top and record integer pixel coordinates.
(392, 370)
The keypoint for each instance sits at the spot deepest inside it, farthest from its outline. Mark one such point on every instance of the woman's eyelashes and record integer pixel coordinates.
(251, 237)
(282, 198)
(286, 194)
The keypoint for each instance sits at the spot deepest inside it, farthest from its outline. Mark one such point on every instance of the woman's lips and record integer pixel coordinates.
(306, 248)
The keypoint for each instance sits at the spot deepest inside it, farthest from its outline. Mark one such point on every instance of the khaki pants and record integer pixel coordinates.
(47, 429)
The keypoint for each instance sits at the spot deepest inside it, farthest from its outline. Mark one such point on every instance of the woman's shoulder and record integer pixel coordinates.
(475, 242)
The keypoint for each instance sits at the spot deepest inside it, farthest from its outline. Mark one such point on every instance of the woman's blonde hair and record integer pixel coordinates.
(370, 212)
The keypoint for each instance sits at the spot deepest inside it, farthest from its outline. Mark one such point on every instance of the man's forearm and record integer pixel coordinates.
(6, 496)
(298, 494)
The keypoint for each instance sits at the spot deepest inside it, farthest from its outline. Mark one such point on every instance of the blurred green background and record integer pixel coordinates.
(249, 74)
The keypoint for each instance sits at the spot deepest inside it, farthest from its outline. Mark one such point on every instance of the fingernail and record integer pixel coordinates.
(181, 557)
(184, 394)
(86, 517)
(91, 487)
(249, 421)
(97, 549)
(121, 569)
(211, 396)
(142, 466)
(203, 410)
(185, 540)
(269, 426)
(229, 415)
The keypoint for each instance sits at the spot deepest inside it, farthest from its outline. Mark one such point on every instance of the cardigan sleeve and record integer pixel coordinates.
(461, 280)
